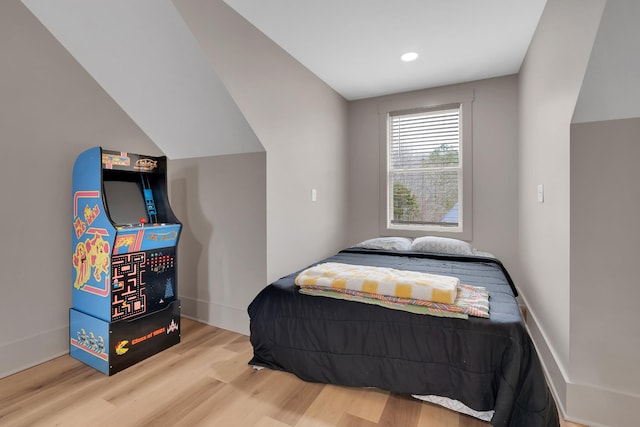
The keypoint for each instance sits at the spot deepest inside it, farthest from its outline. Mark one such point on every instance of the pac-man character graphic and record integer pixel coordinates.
(120, 347)
(81, 265)
(99, 255)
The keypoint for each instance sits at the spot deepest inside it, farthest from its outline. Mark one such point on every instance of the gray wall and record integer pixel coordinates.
(222, 265)
(495, 158)
(300, 121)
(50, 111)
(605, 202)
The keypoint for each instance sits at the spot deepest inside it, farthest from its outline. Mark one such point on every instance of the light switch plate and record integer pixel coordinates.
(540, 193)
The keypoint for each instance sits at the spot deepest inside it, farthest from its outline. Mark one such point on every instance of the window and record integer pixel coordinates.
(426, 170)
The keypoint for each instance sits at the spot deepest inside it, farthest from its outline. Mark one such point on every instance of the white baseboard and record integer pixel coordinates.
(25, 353)
(581, 403)
(221, 316)
(556, 375)
(599, 407)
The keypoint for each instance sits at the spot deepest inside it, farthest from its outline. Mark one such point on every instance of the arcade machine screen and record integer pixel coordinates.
(125, 202)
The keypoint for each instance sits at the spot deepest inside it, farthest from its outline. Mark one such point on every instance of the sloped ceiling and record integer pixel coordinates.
(611, 86)
(144, 56)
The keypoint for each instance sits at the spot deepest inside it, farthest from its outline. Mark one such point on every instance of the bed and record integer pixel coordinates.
(487, 366)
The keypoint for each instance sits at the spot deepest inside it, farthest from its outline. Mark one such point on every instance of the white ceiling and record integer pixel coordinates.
(355, 45)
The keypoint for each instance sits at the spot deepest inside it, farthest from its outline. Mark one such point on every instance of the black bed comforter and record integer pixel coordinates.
(487, 364)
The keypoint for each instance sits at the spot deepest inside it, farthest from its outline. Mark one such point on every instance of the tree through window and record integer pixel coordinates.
(425, 167)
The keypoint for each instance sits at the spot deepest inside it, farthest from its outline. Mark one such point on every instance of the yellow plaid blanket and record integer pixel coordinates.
(380, 281)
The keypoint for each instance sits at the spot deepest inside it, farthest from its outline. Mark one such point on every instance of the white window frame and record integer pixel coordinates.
(429, 100)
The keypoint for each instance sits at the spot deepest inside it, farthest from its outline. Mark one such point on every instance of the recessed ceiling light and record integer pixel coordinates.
(409, 56)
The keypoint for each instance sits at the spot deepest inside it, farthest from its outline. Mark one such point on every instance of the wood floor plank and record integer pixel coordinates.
(468, 421)
(368, 403)
(400, 411)
(295, 398)
(29, 408)
(96, 411)
(350, 420)
(185, 401)
(243, 409)
(240, 344)
(219, 403)
(229, 366)
(203, 381)
(139, 381)
(327, 409)
(266, 421)
(432, 415)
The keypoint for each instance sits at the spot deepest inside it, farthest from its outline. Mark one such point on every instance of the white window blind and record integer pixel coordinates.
(425, 167)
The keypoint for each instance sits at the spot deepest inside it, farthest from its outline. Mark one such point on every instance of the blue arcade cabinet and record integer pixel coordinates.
(125, 236)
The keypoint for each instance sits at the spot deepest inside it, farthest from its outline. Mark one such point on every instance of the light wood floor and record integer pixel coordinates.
(203, 381)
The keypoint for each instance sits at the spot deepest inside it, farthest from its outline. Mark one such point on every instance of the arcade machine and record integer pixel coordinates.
(125, 305)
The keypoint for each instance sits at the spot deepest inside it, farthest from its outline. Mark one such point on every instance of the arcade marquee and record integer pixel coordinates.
(125, 236)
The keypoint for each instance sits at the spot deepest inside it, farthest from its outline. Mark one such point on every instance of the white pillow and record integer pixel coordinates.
(387, 243)
(483, 253)
(441, 245)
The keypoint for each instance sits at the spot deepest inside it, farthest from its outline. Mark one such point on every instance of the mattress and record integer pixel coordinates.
(486, 364)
